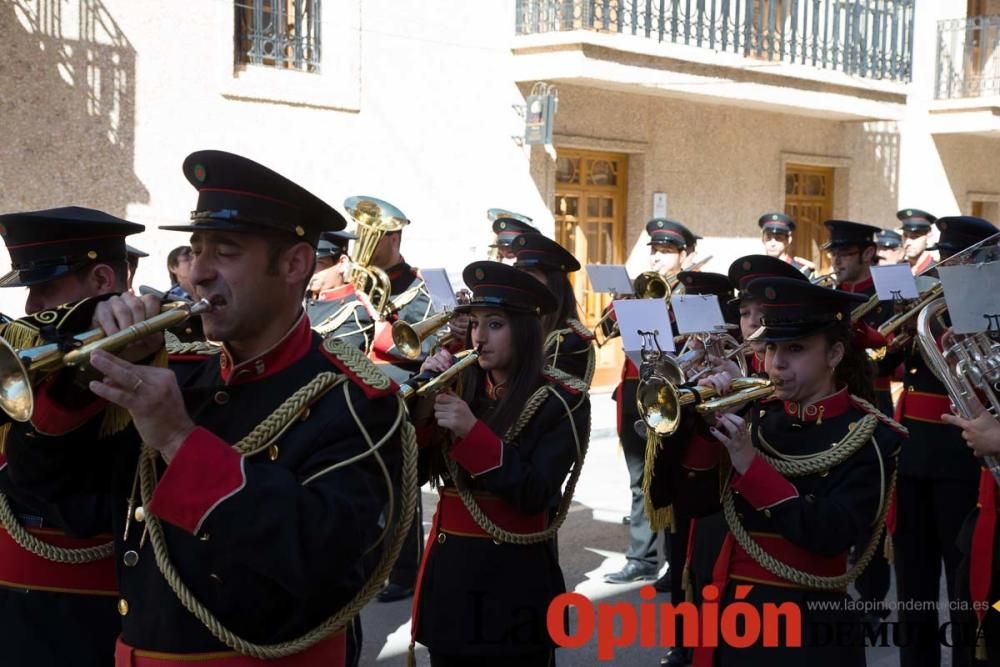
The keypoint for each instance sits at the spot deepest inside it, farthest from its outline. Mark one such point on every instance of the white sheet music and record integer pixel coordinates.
(894, 282)
(636, 315)
(442, 294)
(696, 313)
(972, 292)
(611, 278)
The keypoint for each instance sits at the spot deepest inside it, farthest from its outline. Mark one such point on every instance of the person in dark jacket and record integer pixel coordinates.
(501, 447)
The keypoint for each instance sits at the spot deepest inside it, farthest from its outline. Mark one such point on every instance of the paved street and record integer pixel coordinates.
(591, 543)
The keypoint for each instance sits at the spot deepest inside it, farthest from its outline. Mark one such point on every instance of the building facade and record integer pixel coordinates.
(712, 111)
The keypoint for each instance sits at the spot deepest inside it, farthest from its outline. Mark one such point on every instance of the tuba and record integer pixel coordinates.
(373, 219)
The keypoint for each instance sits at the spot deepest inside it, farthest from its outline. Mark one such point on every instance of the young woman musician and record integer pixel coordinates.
(502, 447)
(569, 346)
(804, 478)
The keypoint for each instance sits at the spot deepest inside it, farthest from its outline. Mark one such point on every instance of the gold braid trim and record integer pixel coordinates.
(479, 516)
(562, 377)
(33, 545)
(286, 414)
(578, 328)
(659, 517)
(175, 346)
(360, 365)
(847, 447)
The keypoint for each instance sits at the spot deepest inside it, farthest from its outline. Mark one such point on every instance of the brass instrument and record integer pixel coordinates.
(660, 400)
(647, 285)
(968, 368)
(22, 370)
(429, 383)
(409, 338)
(373, 219)
(700, 263)
(825, 280)
(899, 319)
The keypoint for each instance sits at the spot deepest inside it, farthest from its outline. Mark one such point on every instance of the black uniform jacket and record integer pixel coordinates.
(56, 613)
(269, 551)
(477, 597)
(570, 348)
(810, 521)
(885, 362)
(343, 314)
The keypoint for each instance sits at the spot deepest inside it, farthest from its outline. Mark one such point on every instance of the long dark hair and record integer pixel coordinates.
(855, 369)
(566, 306)
(524, 376)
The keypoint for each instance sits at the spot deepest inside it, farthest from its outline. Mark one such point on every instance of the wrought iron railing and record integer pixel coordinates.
(279, 33)
(968, 63)
(863, 38)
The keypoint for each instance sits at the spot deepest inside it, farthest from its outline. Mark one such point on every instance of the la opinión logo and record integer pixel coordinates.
(738, 624)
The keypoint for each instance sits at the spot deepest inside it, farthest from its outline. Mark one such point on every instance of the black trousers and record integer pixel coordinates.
(930, 513)
(642, 538)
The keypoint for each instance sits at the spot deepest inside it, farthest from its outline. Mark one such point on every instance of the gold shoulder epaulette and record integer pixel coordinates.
(578, 327)
(565, 379)
(409, 295)
(175, 346)
(359, 368)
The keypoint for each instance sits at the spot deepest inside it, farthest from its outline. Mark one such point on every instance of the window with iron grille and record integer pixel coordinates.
(278, 33)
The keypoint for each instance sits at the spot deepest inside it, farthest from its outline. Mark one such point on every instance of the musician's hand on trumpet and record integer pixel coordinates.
(733, 432)
(981, 433)
(453, 413)
(152, 397)
(120, 312)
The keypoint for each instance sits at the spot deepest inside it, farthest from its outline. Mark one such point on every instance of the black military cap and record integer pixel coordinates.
(535, 250)
(845, 233)
(497, 285)
(797, 308)
(238, 195)
(915, 220)
(663, 231)
(333, 243)
(887, 238)
(46, 245)
(132, 251)
(509, 226)
(749, 268)
(704, 282)
(961, 231)
(779, 223)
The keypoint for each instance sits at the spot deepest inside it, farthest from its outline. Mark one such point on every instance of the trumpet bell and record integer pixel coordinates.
(659, 406)
(17, 398)
(408, 338)
(650, 285)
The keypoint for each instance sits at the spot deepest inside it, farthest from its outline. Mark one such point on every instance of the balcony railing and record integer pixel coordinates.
(863, 38)
(968, 57)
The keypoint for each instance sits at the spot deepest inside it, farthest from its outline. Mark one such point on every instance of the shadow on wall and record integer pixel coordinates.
(67, 100)
(882, 138)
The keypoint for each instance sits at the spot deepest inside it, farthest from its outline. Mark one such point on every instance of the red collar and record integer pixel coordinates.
(756, 363)
(292, 347)
(494, 392)
(833, 405)
(787, 259)
(342, 292)
(923, 264)
(859, 286)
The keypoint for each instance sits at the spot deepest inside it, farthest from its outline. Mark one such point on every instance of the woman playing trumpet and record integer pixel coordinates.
(804, 478)
(511, 433)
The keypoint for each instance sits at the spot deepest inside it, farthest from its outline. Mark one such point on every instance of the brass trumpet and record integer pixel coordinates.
(825, 280)
(660, 402)
(409, 338)
(647, 285)
(429, 383)
(22, 370)
(898, 320)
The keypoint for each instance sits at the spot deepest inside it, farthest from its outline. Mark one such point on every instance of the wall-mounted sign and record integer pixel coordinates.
(540, 114)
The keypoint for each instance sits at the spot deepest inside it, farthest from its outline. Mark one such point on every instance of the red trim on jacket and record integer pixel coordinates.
(335, 294)
(205, 471)
(294, 345)
(923, 265)
(480, 451)
(866, 336)
(701, 452)
(21, 569)
(330, 652)
(883, 383)
(833, 405)
(923, 406)
(859, 286)
(52, 418)
(762, 485)
(983, 534)
(382, 343)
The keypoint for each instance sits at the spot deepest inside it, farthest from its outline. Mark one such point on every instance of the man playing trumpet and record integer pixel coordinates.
(240, 534)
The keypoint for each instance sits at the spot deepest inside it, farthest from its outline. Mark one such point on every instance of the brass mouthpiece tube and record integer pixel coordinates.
(429, 383)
